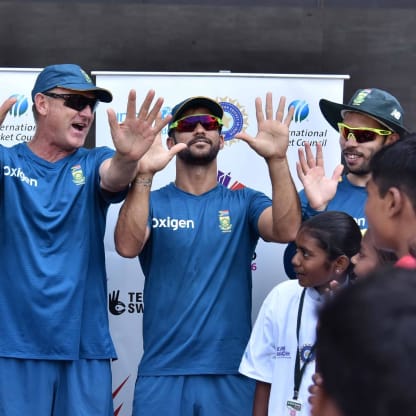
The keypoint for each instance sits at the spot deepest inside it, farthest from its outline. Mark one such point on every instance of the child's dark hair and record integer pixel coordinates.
(366, 344)
(336, 232)
(395, 166)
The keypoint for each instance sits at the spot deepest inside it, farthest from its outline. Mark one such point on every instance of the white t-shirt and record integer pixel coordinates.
(271, 351)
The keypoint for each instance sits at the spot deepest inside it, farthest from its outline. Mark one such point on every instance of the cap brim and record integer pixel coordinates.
(333, 115)
(101, 93)
(332, 112)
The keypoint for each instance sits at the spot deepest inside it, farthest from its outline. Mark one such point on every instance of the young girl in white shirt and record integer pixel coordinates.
(280, 354)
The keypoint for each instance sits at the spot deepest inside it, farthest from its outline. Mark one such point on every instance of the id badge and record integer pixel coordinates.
(294, 407)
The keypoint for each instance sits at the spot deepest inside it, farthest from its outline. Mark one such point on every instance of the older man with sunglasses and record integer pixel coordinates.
(372, 119)
(195, 242)
(55, 345)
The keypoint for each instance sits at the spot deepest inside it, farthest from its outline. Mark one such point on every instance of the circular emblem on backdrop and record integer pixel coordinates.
(235, 118)
(20, 107)
(305, 352)
(301, 110)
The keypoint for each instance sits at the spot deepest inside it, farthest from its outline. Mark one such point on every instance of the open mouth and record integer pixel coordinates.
(79, 126)
(352, 156)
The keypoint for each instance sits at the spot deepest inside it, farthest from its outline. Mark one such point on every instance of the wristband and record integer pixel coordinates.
(147, 182)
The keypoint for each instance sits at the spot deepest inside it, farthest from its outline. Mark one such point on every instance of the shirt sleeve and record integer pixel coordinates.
(260, 354)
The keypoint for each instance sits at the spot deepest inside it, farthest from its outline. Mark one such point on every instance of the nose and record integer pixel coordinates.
(351, 137)
(295, 259)
(354, 259)
(87, 111)
(350, 141)
(199, 128)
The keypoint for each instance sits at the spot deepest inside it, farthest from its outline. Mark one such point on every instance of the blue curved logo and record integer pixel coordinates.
(20, 106)
(237, 120)
(301, 110)
(307, 353)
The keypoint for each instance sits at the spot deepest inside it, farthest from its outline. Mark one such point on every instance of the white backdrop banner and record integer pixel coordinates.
(19, 125)
(238, 166)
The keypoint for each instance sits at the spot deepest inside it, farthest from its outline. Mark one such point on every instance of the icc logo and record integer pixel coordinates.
(20, 106)
(301, 110)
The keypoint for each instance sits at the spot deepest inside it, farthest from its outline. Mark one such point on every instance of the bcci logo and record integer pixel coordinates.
(307, 353)
(20, 106)
(301, 110)
(235, 118)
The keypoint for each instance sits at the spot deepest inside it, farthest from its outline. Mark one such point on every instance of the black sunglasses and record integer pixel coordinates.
(75, 101)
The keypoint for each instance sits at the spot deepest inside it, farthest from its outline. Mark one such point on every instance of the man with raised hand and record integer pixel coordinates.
(55, 344)
(195, 239)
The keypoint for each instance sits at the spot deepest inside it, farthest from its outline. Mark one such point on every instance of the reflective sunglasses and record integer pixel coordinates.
(188, 123)
(361, 134)
(75, 101)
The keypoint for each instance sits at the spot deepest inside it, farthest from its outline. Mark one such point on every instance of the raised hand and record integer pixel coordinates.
(157, 157)
(272, 139)
(318, 188)
(133, 138)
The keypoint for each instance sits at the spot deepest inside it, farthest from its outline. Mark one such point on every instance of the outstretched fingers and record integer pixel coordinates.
(269, 106)
(303, 164)
(310, 158)
(131, 105)
(259, 110)
(150, 114)
(146, 112)
(280, 109)
(290, 112)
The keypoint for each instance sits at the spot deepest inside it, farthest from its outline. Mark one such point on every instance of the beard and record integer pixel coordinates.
(361, 169)
(196, 159)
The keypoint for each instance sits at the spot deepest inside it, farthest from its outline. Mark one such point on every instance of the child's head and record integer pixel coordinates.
(325, 244)
(369, 257)
(391, 204)
(365, 347)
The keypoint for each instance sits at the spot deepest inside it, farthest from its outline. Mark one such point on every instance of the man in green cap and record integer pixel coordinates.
(372, 119)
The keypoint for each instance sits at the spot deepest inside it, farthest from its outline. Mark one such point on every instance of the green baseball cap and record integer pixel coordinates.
(373, 102)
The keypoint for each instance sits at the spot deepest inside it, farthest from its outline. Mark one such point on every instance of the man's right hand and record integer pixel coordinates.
(318, 188)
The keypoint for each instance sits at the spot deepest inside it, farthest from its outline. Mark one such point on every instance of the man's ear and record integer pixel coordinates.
(222, 141)
(392, 138)
(41, 104)
(395, 200)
